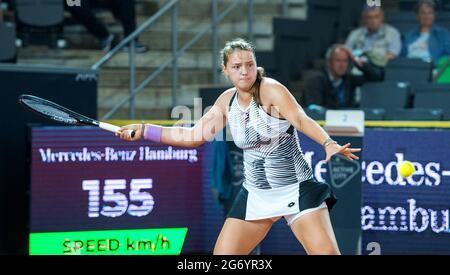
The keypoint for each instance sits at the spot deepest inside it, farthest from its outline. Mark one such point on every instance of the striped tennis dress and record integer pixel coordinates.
(278, 180)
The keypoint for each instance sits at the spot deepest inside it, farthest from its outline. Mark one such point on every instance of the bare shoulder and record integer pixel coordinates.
(271, 88)
(224, 99)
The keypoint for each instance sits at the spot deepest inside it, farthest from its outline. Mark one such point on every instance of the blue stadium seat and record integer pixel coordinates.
(409, 70)
(432, 100)
(374, 113)
(8, 44)
(446, 116)
(443, 19)
(419, 114)
(386, 95)
(316, 112)
(430, 87)
(402, 20)
(407, 5)
(39, 21)
(40, 13)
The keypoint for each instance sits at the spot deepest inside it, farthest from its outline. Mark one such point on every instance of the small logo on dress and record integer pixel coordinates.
(291, 204)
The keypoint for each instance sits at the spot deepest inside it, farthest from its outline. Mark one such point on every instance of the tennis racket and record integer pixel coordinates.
(61, 114)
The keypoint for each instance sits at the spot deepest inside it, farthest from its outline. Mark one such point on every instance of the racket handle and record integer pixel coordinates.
(109, 127)
(114, 128)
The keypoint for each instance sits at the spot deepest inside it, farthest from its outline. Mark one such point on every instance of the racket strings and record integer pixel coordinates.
(50, 111)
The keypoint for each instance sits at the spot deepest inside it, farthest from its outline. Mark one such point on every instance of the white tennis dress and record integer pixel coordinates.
(278, 180)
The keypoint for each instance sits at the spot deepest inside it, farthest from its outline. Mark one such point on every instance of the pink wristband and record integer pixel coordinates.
(153, 132)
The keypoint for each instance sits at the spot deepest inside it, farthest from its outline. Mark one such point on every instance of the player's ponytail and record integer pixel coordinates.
(256, 86)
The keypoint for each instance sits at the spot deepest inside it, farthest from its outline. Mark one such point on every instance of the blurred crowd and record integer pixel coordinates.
(368, 49)
(363, 56)
(82, 12)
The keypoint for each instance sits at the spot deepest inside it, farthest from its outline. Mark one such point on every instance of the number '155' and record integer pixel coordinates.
(139, 202)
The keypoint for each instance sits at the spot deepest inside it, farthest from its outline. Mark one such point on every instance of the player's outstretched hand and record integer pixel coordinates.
(344, 150)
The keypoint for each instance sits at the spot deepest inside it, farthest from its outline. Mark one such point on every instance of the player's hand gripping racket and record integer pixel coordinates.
(61, 114)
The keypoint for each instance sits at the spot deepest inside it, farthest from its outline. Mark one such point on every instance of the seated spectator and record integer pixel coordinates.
(428, 41)
(123, 10)
(334, 87)
(376, 41)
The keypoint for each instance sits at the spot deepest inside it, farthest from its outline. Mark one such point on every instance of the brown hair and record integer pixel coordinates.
(421, 3)
(243, 45)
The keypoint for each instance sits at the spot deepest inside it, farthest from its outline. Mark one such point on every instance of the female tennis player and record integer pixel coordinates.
(263, 118)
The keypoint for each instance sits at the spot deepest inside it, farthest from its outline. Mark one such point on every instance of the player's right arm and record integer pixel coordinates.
(204, 129)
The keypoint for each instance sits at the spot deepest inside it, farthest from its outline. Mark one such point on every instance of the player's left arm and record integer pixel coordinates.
(286, 105)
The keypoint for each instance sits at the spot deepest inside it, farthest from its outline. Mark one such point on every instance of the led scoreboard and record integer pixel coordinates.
(92, 193)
